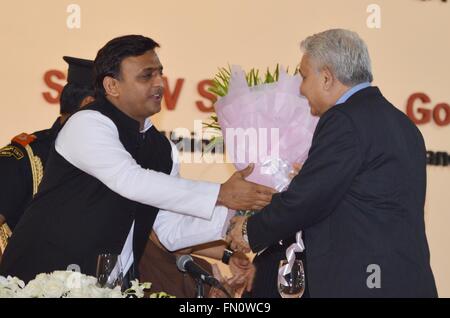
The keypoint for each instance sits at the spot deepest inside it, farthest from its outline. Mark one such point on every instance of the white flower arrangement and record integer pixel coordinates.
(65, 284)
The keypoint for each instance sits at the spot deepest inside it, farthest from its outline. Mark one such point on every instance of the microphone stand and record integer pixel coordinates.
(200, 290)
(224, 291)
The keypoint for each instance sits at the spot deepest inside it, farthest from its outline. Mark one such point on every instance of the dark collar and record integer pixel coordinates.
(120, 117)
(56, 127)
(364, 93)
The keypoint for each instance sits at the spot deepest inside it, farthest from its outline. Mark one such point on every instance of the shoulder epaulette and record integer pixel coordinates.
(24, 139)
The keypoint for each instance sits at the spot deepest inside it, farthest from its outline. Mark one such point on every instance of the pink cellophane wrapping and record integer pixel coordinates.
(277, 105)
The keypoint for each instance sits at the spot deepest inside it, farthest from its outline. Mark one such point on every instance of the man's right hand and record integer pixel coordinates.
(238, 194)
(242, 268)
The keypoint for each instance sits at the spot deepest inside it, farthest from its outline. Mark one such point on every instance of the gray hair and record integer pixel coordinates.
(343, 52)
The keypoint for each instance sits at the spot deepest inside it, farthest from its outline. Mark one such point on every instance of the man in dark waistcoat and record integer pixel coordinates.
(111, 171)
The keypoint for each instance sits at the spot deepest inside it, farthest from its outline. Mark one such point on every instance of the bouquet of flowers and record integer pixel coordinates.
(264, 121)
(66, 284)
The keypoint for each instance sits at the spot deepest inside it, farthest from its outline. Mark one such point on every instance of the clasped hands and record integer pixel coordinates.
(237, 228)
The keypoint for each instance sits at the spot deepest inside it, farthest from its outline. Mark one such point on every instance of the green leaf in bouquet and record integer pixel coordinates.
(277, 73)
(257, 79)
(214, 123)
(269, 77)
(222, 78)
(248, 77)
(221, 82)
(161, 295)
(216, 140)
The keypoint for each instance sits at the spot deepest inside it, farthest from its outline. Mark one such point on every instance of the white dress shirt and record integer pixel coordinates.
(188, 216)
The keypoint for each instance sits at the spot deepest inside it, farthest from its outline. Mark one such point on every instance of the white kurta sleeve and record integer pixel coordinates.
(90, 141)
(176, 231)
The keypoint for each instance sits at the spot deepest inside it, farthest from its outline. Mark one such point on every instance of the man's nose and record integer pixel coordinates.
(158, 81)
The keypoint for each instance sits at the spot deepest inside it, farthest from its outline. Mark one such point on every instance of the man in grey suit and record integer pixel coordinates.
(360, 195)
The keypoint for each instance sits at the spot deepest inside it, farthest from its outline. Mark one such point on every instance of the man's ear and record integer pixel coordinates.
(327, 78)
(111, 86)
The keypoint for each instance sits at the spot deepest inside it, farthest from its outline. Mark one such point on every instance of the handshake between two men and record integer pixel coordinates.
(238, 194)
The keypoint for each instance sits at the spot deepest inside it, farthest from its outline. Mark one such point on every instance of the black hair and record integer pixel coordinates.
(71, 97)
(109, 57)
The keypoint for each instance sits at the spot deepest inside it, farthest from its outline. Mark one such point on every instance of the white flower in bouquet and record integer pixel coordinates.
(117, 293)
(137, 289)
(63, 275)
(54, 288)
(77, 293)
(65, 284)
(34, 288)
(10, 286)
(93, 291)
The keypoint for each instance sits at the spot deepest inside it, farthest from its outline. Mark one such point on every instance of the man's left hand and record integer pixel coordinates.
(242, 268)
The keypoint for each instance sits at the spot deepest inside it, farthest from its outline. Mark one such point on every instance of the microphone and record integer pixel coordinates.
(186, 264)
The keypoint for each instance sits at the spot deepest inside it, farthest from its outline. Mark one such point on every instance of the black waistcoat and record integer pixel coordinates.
(74, 217)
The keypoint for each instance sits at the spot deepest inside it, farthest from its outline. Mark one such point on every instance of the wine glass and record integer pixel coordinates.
(294, 285)
(109, 271)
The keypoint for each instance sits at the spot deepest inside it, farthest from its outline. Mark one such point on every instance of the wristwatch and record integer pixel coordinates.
(244, 231)
(227, 253)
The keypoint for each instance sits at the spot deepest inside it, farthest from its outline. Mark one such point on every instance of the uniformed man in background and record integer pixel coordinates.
(22, 162)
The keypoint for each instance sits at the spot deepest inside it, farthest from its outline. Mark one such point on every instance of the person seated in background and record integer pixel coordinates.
(158, 266)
